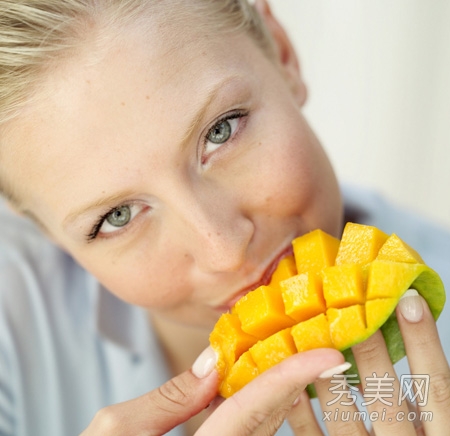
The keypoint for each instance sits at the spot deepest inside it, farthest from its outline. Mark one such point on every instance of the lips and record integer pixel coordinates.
(264, 279)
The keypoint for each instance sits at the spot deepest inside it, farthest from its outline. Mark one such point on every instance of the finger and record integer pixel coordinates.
(160, 410)
(213, 405)
(264, 403)
(381, 388)
(338, 403)
(426, 358)
(302, 419)
(417, 425)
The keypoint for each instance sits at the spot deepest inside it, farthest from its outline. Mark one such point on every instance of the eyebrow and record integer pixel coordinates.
(211, 95)
(98, 204)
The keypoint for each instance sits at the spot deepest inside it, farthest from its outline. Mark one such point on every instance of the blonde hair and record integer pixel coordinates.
(37, 33)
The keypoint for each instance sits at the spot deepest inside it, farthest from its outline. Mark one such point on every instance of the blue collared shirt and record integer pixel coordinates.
(68, 347)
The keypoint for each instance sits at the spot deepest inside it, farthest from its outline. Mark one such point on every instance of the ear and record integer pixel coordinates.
(285, 52)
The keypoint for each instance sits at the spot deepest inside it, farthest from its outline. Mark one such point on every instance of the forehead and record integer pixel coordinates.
(94, 106)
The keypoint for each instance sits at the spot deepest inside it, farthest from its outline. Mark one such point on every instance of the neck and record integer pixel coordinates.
(181, 344)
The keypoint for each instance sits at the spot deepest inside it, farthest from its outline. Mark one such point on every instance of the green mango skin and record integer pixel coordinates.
(431, 288)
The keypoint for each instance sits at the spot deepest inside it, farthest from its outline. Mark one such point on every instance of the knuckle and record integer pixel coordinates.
(440, 388)
(390, 417)
(253, 421)
(367, 350)
(267, 424)
(173, 394)
(277, 417)
(344, 429)
(300, 426)
(108, 420)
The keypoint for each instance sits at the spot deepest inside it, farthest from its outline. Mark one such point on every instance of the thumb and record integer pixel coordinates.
(185, 395)
(164, 408)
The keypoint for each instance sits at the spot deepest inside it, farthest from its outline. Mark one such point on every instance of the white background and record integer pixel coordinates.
(378, 75)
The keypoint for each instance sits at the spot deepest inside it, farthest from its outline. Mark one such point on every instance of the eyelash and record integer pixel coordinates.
(101, 220)
(227, 117)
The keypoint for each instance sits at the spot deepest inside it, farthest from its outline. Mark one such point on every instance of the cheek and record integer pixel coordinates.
(284, 178)
(290, 178)
(136, 277)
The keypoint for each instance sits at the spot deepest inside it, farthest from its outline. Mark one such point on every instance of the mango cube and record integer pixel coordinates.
(311, 334)
(377, 311)
(390, 279)
(302, 296)
(232, 341)
(395, 250)
(286, 268)
(343, 285)
(314, 251)
(261, 312)
(273, 350)
(360, 244)
(241, 373)
(347, 325)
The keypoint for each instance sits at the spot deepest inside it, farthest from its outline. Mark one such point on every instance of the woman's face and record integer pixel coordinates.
(176, 172)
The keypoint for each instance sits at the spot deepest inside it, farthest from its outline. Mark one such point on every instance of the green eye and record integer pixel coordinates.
(220, 133)
(119, 217)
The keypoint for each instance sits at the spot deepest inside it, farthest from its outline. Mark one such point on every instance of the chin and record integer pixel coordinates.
(190, 317)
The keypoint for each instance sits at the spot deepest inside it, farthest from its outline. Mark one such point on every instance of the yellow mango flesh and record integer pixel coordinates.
(273, 349)
(241, 373)
(302, 296)
(262, 313)
(286, 268)
(347, 325)
(313, 333)
(360, 244)
(330, 294)
(230, 341)
(314, 251)
(396, 250)
(341, 293)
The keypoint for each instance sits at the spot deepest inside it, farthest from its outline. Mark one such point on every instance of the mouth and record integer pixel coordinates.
(263, 280)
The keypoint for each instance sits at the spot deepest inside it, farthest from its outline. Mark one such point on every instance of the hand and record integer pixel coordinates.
(256, 409)
(425, 357)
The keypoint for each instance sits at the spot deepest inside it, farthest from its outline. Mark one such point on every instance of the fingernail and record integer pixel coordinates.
(296, 401)
(336, 370)
(205, 363)
(411, 306)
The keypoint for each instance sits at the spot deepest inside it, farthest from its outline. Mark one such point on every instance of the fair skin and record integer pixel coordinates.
(210, 218)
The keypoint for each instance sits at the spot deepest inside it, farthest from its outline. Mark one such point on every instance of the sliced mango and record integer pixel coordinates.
(389, 279)
(343, 285)
(347, 325)
(374, 311)
(302, 296)
(261, 312)
(360, 244)
(285, 269)
(333, 294)
(241, 373)
(232, 341)
(314, 251)
(313, 333)
(273, 350)
(395, 250)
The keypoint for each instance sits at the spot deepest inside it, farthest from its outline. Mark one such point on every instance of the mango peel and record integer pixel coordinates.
(331, 293)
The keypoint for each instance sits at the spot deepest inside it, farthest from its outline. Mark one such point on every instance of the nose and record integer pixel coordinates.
(215, 231)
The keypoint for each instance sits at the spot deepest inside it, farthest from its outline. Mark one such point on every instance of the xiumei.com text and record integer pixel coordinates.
(357, 415)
